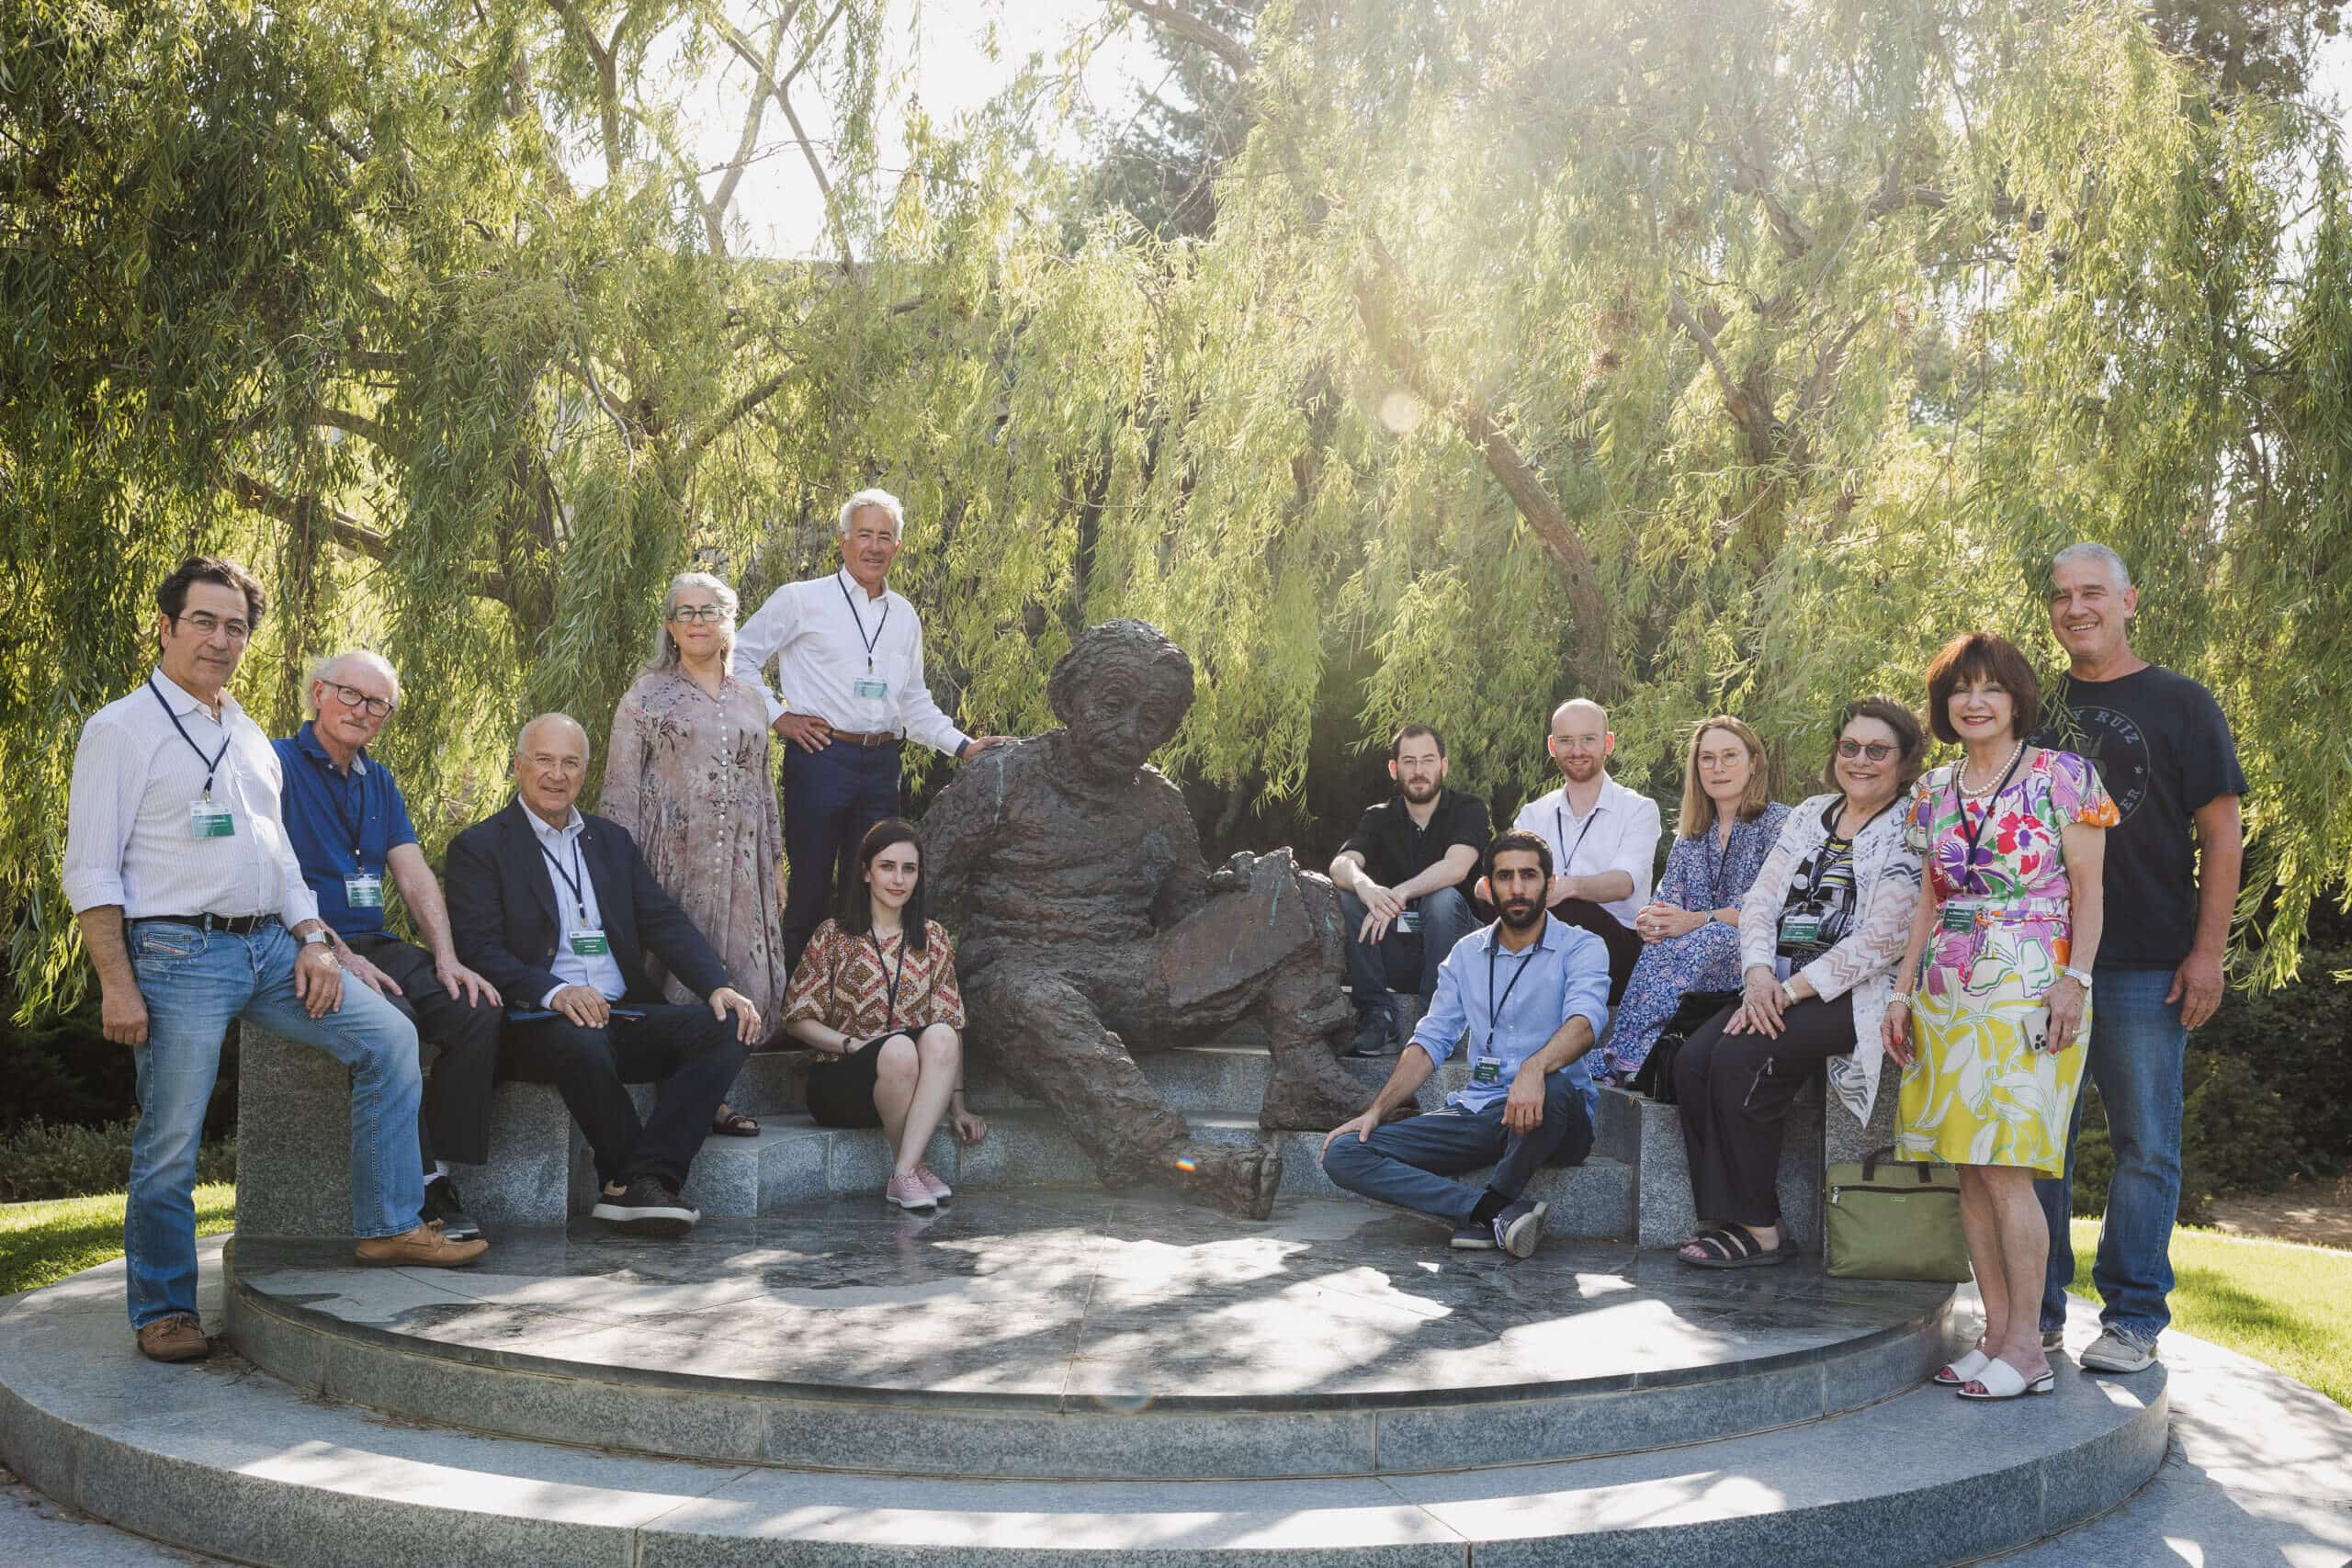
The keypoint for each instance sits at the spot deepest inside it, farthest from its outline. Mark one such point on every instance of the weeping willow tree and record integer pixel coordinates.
(1688, 356)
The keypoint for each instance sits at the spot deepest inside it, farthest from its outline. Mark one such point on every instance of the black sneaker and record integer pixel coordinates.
(1518, 1228)
(444, 1208)
(1375, 1028)
(1476, 1236)
(651, 1207)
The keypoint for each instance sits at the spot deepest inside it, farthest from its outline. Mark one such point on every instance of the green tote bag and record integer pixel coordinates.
(1890, 1219)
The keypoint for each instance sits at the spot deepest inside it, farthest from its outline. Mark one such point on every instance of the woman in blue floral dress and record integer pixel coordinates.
(1729, 823)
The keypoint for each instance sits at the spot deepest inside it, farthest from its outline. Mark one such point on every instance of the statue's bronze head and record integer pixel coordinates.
(1122, 691)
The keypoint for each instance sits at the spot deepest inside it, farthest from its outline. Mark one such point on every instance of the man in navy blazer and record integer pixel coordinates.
(557, 909)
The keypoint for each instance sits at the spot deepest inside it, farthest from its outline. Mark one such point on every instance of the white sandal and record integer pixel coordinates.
(2001, 1380)
(1962, 1370)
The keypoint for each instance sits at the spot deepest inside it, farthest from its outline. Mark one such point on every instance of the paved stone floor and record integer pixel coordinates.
(1069, 1295)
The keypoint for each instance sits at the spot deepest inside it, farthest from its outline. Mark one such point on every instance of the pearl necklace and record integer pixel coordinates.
(1998, 779)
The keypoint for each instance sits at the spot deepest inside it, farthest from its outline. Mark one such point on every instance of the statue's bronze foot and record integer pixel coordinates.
(1310, 1091)
(1241, 1179)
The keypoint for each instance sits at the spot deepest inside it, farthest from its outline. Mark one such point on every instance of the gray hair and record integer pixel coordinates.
(881, 498)
(523, 736)
(665, 647)
(2099, 553)
(324, 669)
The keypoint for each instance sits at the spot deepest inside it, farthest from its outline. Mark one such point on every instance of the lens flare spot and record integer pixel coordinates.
(1400, 411)
(1186, 1165)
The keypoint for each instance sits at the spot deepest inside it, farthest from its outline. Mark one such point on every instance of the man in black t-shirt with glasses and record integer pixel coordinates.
(1402, 879)
(2164, 751)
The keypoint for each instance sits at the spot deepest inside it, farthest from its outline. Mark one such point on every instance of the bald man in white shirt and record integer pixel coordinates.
(849, 689)
(1603, 837)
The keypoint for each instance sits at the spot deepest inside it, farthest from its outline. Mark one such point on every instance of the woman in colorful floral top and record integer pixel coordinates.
(874, 992)
(1992, 1002)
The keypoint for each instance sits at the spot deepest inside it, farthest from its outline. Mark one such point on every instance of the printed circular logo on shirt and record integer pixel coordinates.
(2116, 745)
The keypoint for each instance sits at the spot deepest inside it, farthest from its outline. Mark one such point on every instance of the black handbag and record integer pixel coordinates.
(1655, 1078)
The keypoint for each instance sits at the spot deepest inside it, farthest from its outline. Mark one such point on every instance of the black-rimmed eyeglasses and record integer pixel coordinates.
(1877, 751)
(698, 613)
(353, 697)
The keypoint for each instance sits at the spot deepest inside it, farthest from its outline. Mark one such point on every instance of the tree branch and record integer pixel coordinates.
(736, 412)
(1232, 51)
(1397, 341)
(1754, 419)
(346, 530)
(358, 424)
(608, 91)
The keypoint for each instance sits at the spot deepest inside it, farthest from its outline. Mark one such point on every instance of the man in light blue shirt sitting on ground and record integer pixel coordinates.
(1533, 994)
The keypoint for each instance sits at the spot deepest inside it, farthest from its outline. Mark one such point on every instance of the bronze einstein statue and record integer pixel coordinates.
(1088, 928)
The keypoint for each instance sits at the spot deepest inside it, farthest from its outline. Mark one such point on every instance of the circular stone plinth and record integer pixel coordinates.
(1068, 1334)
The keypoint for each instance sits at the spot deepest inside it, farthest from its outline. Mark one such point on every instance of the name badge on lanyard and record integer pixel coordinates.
(1487, 1069)
(206, 820)
(1487, 1066)
(589, 942)
(1958, 918)
(870, 686)
(363, 891)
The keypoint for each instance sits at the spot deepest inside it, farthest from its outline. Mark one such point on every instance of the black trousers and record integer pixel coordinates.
(1734, 1091)
(692, 1056)
(1624, 944)
(453, 1123)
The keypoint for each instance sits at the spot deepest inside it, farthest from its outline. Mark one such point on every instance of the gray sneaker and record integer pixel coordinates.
(1520, 1226)
(2053, 1342)
(2119, 1351)
(1474, 1237)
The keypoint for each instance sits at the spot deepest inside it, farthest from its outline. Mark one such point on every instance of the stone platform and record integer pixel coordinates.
(1052, 1377)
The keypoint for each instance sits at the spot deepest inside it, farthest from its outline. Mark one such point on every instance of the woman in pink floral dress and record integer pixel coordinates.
(688, 773)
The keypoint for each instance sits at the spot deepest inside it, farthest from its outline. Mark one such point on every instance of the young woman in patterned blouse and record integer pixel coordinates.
(876, 993)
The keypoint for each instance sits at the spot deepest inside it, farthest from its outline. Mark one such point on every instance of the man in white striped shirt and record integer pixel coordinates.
(848, 654)
(194, 910)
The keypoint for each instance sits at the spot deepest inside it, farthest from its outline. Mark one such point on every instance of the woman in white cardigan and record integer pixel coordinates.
(1820, 933)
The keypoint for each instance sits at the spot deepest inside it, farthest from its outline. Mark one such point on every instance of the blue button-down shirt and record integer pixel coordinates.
(1564, 974)
(341, 824)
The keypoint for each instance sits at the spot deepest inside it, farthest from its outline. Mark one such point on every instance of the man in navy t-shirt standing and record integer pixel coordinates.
(2164, 751)
(350, 829)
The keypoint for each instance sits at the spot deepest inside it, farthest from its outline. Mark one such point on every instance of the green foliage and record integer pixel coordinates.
(45, 1160)
(43, 1243)
(1694, 358)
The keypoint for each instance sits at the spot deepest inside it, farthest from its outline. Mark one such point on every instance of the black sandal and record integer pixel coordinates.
(733, 1123)
(1736, 1247)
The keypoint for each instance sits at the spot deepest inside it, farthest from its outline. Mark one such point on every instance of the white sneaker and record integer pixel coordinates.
(2119, 1351)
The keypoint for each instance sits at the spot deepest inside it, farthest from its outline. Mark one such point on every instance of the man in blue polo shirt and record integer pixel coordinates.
(1532, 993)
(351, 831)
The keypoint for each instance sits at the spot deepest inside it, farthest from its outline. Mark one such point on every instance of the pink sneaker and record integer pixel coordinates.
(940, 1192)
(909, 1193)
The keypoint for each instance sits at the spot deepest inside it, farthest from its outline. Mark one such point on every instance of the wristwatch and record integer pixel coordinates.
(2080, 977)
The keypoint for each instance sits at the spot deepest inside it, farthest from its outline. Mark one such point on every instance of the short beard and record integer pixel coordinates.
(1429, 793)
(1535, 913)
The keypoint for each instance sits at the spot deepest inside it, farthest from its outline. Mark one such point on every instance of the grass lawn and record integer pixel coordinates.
(2264, 1299)
(43, 1243)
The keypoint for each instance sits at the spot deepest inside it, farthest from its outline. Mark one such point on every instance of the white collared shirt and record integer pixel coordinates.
(601, 972)
(816, 633)
(127, 829)
(1620, 833)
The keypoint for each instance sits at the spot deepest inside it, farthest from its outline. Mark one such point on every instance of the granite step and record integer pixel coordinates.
(795, 1161)
(228, 1460)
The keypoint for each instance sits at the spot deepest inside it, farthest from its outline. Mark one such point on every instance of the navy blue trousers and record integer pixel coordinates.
(831, 798)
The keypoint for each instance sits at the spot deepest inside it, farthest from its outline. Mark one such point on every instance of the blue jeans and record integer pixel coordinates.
(2136, 1049)
(1411, 1163)
(831, 798)
(194, 982)
(1373, 967)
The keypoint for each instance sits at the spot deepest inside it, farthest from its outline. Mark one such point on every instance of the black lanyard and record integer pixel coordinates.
(890, 997)
(1723, 864)
(1494, 1002)
(878, 626)
(1968, 859)
(1560, 811)
(575, 879)
(1829, 826)
(211, 764)
(336, 797)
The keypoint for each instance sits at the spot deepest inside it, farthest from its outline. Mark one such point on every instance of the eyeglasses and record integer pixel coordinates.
(352, 697)
(205, 625)
(698, 613)
(1877, 751)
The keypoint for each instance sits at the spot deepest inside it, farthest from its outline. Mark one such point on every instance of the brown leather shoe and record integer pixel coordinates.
(424, 1247)
(179, 1338)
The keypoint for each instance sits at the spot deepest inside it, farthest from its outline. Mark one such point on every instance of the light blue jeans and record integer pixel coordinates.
(194, 982)
(2136, 1050)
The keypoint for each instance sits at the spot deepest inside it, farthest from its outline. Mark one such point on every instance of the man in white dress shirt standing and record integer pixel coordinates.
(849, 688)
(1604, 836)
(194, 910)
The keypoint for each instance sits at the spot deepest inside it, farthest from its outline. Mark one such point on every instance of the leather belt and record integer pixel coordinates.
(851, 738)
(235, 925)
